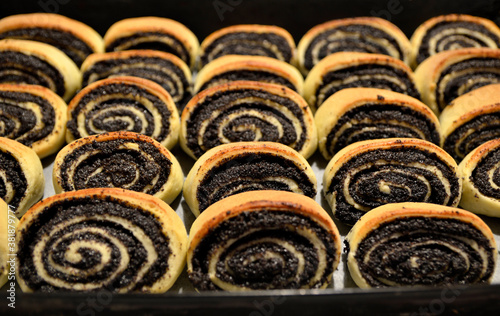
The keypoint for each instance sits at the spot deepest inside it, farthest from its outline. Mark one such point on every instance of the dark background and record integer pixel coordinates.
(297, 16)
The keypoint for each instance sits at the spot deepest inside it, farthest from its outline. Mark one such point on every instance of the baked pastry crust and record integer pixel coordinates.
(265, 202)
(22, 175)
(69, 166)
(262, 108)
(369, 42)
(478, 195)
(452, 40)
(148, 220)
(344, 60)
(470, 120)
(356, 180)
(54, 57)
(223, 154)
(383, 216)
(334, 116)
(128, 63)
(77, 119)
(51, 21)
(50, 142)
(8, 223)
(235, 63)
(428, 75)
(250, 28)
(151, 24)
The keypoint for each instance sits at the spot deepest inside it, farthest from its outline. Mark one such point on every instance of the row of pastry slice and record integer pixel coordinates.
(124, 241)
(362, 34)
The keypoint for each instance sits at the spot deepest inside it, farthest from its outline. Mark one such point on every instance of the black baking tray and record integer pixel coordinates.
(297, 16)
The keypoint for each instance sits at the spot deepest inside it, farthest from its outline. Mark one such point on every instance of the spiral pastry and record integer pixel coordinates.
(371, 173)
(21, 176)
(263, 240)
(165, 69)
(246, 166)
(471, 120)
(447, 75)
(415, 244)
(118, 160)
(247, 111)
(100, 239)
(356, 114)
(231, 68)
(41, 64)
(248, 39)
(155, 33)
(450, 32)
(76, 39)
(8, 224)
(480, 171)
(359, 34)
(34, 116)
(124, 104)
(351, 70)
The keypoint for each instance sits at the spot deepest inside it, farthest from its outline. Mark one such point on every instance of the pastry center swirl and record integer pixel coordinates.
(29, 69)
(466, 76)
(71, 45)
(241, 43)
(369, 76)
(376, 121)
(159, 70)
(424, 251)
(486, 175)
(472, 134)
(380, 177)
(353, 38)
(264, 250)
(455, 35)
(24, 117)
(120, 107)
(93, 244)
(13, 183)
(118, 163)
(250, 172)
(153, 41)
(245, 115)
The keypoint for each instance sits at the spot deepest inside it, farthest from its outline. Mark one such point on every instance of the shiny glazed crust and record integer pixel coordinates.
(250, 28)
(256, 201)
(228, 63)
(171, 225)
(472, 199)
(422, 29)
(32, 169)
(54, 21)
(375, 22)
(148, 85)
(52, 142)
(7, 223)
(51, 55)
(223, 153)
(311, 142)
(169, 191)
(336, 105)
(342, 60)
(389, 212)
(130, 26)
(428, 72)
